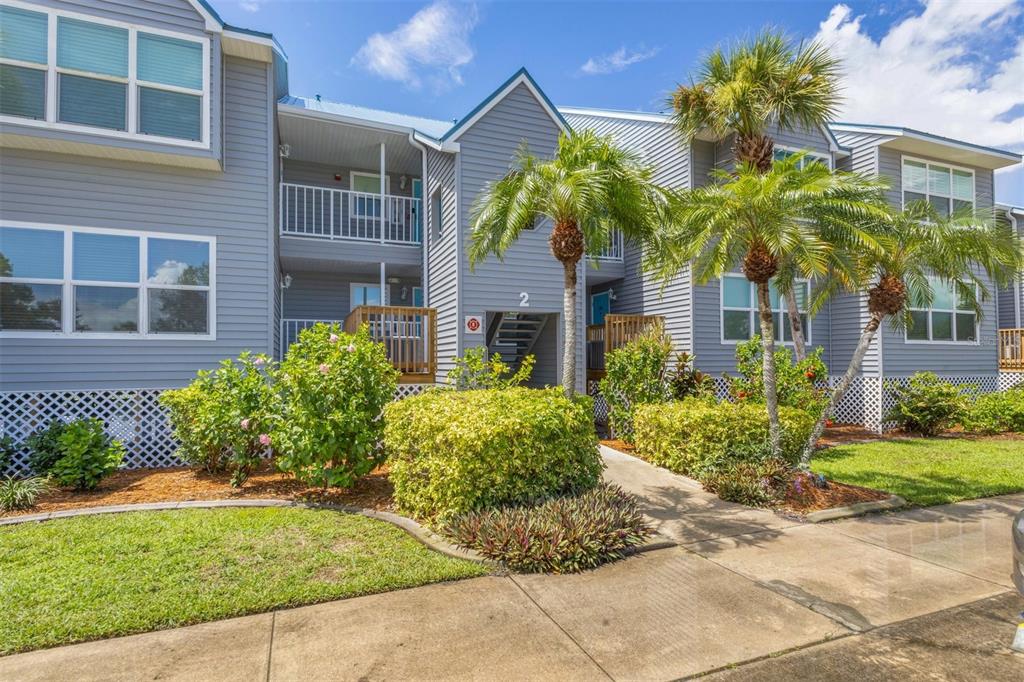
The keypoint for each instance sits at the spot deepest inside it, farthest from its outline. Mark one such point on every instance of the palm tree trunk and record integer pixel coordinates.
(866, 336)
(771, 397)
(796, 325)
(569, 340)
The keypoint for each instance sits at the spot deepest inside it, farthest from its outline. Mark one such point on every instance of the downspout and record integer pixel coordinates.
(424, 223)
(1019, 283)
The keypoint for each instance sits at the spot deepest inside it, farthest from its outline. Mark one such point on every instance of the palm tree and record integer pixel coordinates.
(741, 91)
(965, 251)
(757, 220)
(590, 188)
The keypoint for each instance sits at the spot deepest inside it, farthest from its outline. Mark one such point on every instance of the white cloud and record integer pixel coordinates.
(433, 45)
(251, 5)
(616, 61)
(169, 272)
(942, 70)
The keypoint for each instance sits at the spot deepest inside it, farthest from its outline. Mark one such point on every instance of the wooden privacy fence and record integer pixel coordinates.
(617, 331)
(409, 335)
(1010, 357)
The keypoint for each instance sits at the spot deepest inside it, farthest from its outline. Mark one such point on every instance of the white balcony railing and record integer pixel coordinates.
(615, 249)
(322, 212)
(290, 328)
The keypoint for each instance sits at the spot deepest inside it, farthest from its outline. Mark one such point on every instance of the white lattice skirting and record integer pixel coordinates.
(133, 416)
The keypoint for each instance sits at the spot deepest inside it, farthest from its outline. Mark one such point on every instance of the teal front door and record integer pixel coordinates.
(417, 191)
(600, 305)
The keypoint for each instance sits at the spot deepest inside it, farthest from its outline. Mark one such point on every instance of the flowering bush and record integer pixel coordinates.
(333, 387)
(795, 381)
(222, 418)
(635, 374)
(928, 405)
(87, 455)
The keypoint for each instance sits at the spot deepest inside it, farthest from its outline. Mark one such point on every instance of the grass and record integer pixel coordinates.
(928, 471)
(92, 577)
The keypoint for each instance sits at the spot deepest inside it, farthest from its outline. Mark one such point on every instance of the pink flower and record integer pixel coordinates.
(264, 439)
(325, 368)
(351, 348)
(334, 338)
(245, 424)
(259, 361)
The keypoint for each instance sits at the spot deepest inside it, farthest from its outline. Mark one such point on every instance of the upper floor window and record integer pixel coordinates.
(77, 73)
(946, 188)
(740, 315)
(808, 158)
(67, 281)
(949, 319)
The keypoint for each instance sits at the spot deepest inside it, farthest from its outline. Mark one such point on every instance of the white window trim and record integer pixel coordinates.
(68, 283)
(928, 194)
(352, 293)
(755, 321)
(808, 154)
(954, 311)
(133, 84)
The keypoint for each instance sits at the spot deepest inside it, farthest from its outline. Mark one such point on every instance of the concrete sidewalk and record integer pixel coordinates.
(743, 586)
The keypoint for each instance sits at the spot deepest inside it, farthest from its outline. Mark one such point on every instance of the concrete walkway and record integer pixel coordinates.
(914, 594)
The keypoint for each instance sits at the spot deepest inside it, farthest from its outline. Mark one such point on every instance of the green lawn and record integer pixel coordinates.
(75, 579)
(927, 471)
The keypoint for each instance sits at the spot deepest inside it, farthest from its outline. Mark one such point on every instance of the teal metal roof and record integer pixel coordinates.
(428, 126)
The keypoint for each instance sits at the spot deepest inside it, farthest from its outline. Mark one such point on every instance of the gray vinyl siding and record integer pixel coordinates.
(327, 295)
(863, 149)
(170, 15)
(849, 315)
(442, 256)
(703, 161)
(487, 151)
(233, 205)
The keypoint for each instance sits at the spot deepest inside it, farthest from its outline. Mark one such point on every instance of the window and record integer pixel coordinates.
(435, 216)
(103, 76)
(740, 319)
(67, 281)
(809, 157)
(365, 184)
(947, 189)
(364, 294)
(948, 320)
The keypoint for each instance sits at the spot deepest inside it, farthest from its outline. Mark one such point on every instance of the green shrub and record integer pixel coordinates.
(753, 483)
(796, 382)
(44, 447)
(996, 412)
(475, 371)
(7, 450)
(87, 455)
(635, 374)
(333, 387)
(20, 493)
(686, 381)
(927, 404)
(695, 436)
(457, 451)
(222, 417)
(560, 535)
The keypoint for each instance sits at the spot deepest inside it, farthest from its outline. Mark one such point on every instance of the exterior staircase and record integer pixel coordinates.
(513, 336)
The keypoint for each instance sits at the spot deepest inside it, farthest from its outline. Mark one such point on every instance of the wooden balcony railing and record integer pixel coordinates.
(1010, 356)
(616, 332)
(409, 335)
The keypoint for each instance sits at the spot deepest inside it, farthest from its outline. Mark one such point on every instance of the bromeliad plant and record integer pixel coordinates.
(589, 189)
(561, 535)
(333, 388)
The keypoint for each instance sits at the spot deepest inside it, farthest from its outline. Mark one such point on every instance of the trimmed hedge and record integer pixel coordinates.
(451, 452)
(697, 436)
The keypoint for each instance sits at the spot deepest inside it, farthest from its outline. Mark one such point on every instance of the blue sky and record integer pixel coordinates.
(952, 67)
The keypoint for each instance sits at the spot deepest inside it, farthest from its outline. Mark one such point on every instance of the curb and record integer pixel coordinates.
(419, 532)
(888, 504)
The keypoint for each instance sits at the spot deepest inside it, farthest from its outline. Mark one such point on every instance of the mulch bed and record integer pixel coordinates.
(180, 484)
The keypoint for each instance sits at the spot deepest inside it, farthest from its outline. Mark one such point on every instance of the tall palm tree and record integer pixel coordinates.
(754, 220)
(966, 251)
(588, 189)
(740, 91)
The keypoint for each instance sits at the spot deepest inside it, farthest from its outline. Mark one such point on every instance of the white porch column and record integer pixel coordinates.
(383, 286)
(383, 202)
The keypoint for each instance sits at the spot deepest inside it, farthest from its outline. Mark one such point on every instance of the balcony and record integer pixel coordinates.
(409, 336)
(1011, 359)
(337, 214)
(617, 331)
(615, 250)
